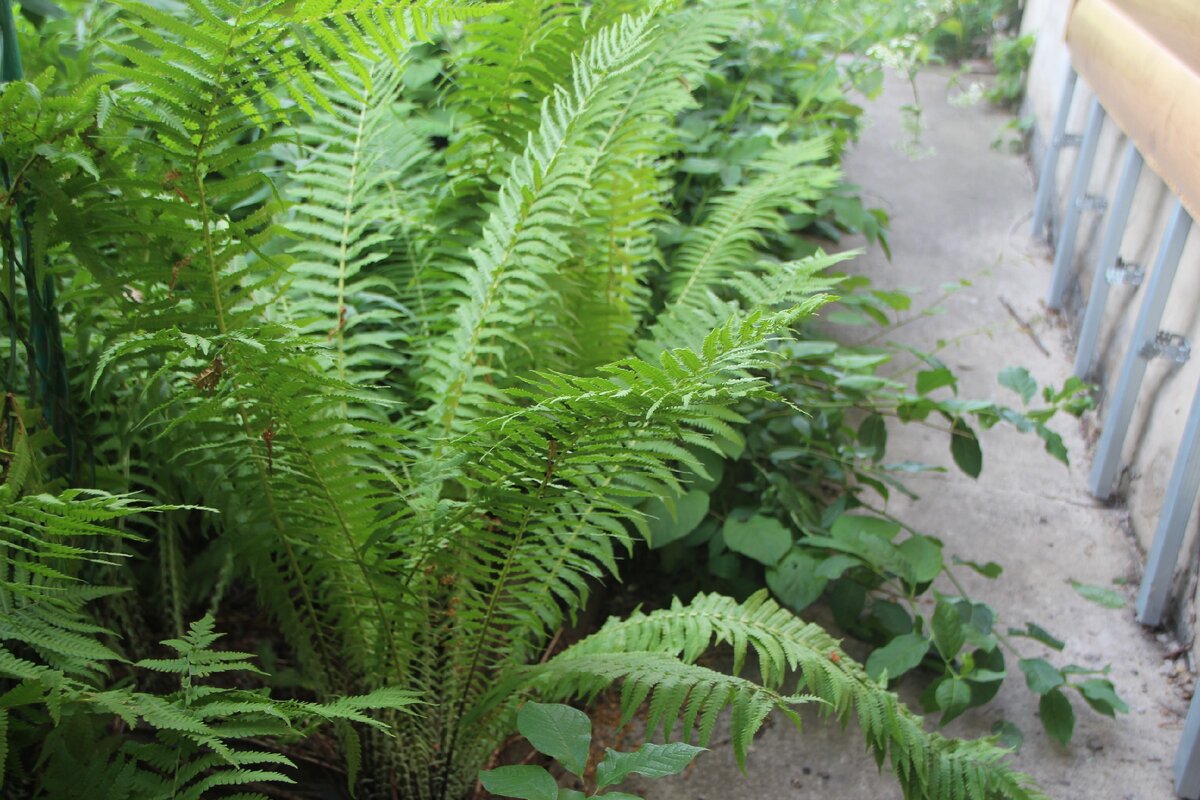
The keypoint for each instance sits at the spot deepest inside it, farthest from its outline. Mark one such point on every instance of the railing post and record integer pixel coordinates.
(1077, 202)
(1049, 171)
(1110, 251)
(1133, 368)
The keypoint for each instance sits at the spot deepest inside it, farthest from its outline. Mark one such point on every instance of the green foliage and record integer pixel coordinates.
(797, 508)
(1012, 58)
(565, 734)
(400, 371)
(656, 656)
(966, 28)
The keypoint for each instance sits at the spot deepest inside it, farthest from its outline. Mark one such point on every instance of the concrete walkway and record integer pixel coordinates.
(962, 211)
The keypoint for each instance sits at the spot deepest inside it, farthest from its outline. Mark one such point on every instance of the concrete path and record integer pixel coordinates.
(962, 211)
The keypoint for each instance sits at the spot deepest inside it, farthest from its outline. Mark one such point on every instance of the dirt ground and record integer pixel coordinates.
(960, 209)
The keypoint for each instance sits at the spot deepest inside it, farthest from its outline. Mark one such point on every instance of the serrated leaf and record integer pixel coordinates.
(953, 697)
(1038, 633)
(650, 760)
(925, 555)
(964, 448)
(1020, 381)
(898, 656)
(1102, 696)
(990, 570)
(559, 731)
(948, 632)
(930, 380)
(1099, 595)
(1058, 718)
(1040, 675)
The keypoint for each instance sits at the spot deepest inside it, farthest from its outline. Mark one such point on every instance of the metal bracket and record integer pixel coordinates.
(1091, 202)
(1069, 140)
(1174, 346)
(1124, 272)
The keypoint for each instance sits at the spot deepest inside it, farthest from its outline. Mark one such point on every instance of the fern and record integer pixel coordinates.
(724, 241)
(528, 224)
(351, 186)
(653, 656)
(420, 351)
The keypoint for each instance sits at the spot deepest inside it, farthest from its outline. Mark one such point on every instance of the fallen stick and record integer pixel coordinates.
(1025, 327)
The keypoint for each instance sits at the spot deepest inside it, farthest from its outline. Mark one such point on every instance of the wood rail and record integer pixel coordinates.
(1142, 59)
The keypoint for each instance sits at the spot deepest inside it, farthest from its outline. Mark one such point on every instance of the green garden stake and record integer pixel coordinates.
(10, 53)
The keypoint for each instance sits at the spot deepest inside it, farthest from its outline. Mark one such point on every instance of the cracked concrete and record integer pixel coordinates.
(962, 212)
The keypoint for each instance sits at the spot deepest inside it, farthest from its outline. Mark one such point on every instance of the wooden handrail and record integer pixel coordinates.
(1142, 59)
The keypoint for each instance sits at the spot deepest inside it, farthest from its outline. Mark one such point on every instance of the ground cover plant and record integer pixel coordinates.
(378, 322)
(801, 508)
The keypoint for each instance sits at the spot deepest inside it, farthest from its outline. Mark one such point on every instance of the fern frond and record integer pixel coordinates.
(523, 240)
(353, 187)
(641, 648)
(513, 62)
(723, 243)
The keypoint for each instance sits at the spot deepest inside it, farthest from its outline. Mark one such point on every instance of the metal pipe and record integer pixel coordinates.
(1133, 369)
(1110, 251)
(1049, 171)
(1064, 251)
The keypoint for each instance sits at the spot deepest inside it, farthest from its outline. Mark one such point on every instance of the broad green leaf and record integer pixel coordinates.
(925, 555)
(1040, 675)
(948, 632)
(898, 656)
(796, 580)
(1020, 381)
(873, 435)
(977, 620)
(650, 760)
(1102, 696)
(700, 166)
(932, 379)
(897, 301)
(757, 536)
(833, 567)
(713, 464)
(571, 794)
(1057, 716)
(858, 361)
(1054, 444)
(892, 617)
(524, 782)
(964, 447)
(666, 526)
(850, 525)
(953, 697)
(1008, 735)
(990, 570)
(559, 731)
(1038, 633)
(1099, 595)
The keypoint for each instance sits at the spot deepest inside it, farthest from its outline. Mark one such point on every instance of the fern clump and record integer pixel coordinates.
(374, 301)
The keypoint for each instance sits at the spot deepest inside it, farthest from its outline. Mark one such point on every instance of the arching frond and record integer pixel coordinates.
(723, 243)
(523, 240)
(354, 186)
(653, 655)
